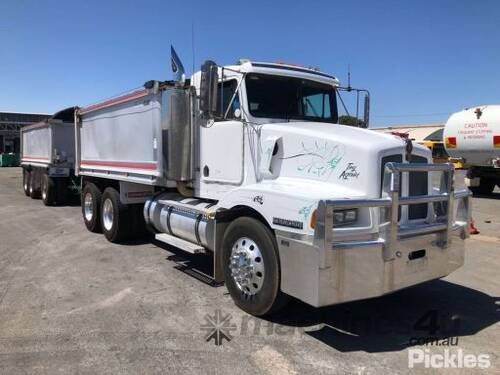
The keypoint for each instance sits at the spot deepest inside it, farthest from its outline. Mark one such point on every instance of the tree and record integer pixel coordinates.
(351, 121)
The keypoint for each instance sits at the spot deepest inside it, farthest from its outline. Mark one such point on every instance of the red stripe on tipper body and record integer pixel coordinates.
(148, 166)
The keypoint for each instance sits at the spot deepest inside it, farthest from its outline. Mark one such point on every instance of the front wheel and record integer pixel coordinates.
(251, 267)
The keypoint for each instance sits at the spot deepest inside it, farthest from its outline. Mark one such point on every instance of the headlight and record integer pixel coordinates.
(345, 217)
(340, 217)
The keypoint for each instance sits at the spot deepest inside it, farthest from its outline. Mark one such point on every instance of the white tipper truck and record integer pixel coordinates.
(48, 158)
(473, 137)
(247, 163)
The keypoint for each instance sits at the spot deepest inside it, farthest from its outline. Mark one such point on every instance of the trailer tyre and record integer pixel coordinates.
(91, 207)
(251, 267)
(26, 182)
(48, 190)
(115, 217)
(34, 188)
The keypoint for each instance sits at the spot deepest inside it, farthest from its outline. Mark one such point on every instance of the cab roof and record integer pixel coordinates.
(278, 68)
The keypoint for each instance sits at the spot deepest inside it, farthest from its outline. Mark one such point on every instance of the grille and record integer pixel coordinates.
(417, 185)
(385, 160)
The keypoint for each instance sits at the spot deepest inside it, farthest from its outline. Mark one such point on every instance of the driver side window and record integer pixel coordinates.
(225, 92)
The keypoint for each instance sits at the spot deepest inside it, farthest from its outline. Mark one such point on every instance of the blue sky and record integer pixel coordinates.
(421, 60)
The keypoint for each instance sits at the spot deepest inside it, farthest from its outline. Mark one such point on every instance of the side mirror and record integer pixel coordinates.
(366, 114)
(208, 89)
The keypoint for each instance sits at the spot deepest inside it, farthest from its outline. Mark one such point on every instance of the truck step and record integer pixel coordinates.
(180, 243)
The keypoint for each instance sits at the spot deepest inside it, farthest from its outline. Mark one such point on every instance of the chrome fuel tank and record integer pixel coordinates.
(187, 218)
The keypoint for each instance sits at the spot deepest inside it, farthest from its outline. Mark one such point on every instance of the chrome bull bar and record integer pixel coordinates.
(390, 233)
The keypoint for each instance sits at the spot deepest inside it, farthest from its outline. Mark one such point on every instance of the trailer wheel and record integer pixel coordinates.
(48, 190)
(26, 182)
(251, 267)
(34, 188)
(486, 186)
(91, 206)
(115, 217)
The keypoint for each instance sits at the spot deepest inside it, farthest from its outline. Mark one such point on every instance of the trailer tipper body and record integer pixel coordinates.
(48, 157)
(472, 136)
(248, 163)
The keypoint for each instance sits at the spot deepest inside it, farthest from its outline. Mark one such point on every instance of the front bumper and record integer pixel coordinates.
(323, 271)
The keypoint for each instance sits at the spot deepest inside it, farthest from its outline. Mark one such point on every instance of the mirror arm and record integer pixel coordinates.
(234, 96)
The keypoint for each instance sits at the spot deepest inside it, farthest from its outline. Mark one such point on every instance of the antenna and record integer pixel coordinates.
(192, 44)
(349, 88)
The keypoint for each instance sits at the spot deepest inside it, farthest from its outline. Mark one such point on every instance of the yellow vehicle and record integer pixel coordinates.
(439, 154)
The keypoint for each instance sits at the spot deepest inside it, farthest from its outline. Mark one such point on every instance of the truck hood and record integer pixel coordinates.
(328, 154)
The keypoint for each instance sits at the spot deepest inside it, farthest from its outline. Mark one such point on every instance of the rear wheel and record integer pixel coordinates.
(91, 207)
(251, 267)
(48, 190)
(26, 182)
(34, 185)
(115, 217)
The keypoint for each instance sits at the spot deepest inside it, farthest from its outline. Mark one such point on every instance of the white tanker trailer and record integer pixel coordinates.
(249, 164)
(473, 137)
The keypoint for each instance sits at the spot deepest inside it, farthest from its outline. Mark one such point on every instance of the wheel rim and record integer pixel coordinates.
(88, 207)
(44, 190)
(107, 214)
(247, 266)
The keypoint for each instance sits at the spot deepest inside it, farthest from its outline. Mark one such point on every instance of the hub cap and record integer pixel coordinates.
(247, 266)
(88, 207)
(107, 214)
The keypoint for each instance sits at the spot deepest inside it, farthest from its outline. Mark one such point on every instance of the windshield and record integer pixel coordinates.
(290, 98)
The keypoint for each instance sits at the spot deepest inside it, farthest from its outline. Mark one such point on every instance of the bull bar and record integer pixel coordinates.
(335, 269)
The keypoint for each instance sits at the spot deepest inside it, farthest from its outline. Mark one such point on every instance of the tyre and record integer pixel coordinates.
(48, 190)
(34, 185)
(91, 207)
(26, 182)
(116, 220)
(486, 186)
(251, 267)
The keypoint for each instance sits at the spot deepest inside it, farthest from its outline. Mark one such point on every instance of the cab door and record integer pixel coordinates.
(222, 143)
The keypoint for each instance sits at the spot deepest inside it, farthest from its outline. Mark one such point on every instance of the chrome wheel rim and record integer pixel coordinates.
(88, 207)
(107, 214)
(247, 266)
